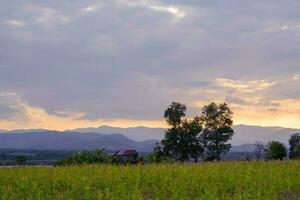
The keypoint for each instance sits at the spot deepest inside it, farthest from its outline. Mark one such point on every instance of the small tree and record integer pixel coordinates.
(157, 156)
(217, 123)
(158, 153)
(86, 157)
(259, 150)
(20, 159)
(294, 143)
(276, 150)
(100, 156)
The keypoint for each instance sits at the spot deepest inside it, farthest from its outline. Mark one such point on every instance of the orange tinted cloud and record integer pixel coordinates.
(286, 114)
(34, 117)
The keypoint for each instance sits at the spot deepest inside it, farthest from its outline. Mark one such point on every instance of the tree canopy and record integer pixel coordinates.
(190, 138)
(182, 139)
(294, 143)
(217, 130)
(174, 114)
(276, 150)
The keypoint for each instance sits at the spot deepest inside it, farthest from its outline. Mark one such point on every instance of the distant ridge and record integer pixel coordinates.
(55, 140)
(244, 134)
(249, 134)
(140, 138)
(139, 133)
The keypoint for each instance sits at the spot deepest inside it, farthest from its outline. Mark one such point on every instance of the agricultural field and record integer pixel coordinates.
(224, 180)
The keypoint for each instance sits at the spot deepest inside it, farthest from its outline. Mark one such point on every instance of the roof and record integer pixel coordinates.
(127, 152)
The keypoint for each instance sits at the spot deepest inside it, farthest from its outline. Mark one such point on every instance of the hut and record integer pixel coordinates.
(127, 156)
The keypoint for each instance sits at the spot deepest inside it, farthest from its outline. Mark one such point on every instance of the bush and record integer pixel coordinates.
(21, 159)
(98, 156)
(294, 142)
(276, 150)
(157, 156)
(153, 158)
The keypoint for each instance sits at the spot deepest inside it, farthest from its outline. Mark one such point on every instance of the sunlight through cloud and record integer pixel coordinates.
(173, 10)
(14, 23)
(245, 86)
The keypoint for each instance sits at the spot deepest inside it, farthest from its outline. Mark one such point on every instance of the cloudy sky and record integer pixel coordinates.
(70, 64)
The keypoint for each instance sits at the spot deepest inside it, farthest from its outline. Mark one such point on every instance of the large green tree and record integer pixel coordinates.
(294, 143)
(276, 150)
(182, 140)
(217, 130)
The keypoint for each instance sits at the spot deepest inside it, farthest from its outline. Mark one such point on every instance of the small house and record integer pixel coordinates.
(127, 156)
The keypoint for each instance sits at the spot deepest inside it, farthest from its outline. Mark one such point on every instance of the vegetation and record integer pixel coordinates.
(294, 143)
(98, 156)
(157, 156)
(20, 159)
(205, 136)
(213, 181)
(182, 140)
(259, 150)
(276, 150)
(217, 130)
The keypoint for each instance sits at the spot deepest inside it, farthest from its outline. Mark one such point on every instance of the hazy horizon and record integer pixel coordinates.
(137, 126)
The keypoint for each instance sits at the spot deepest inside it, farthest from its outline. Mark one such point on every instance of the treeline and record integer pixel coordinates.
(206, 136)
(203, 137)
(101, 156)
(89, 157)
(275, 150)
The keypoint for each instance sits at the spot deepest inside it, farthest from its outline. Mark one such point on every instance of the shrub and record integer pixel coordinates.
(98, 156)
(20, 159)
(276, 150)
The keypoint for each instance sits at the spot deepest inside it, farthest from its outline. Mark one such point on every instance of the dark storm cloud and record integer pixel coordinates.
(129, 59)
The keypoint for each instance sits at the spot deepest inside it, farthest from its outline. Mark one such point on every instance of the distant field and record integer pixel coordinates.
(224, 180)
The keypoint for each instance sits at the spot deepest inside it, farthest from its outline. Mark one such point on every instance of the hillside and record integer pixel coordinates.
(244, 134)
(140, 138)
(139, 133)
(55, 140)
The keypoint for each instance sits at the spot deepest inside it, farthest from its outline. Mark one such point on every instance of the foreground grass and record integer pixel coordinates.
(225, 180)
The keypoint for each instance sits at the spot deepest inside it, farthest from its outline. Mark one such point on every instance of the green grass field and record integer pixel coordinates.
(224, 180)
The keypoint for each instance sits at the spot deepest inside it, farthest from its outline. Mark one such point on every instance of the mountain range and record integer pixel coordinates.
(55, 140)
(244, 134)
(140, 138)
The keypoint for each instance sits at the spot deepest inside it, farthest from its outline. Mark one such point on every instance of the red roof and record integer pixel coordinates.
(127, 152)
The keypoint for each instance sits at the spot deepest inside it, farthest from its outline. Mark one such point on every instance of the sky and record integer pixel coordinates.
(70, 64)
